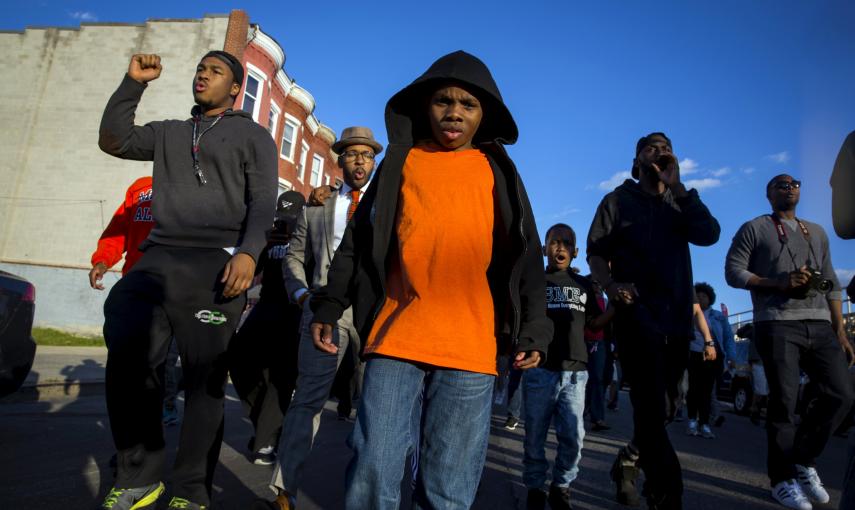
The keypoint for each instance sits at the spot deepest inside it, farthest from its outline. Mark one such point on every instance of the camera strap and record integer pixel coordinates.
(782, 236)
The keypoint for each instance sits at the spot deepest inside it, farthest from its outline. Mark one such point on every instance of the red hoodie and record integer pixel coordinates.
(129, 227)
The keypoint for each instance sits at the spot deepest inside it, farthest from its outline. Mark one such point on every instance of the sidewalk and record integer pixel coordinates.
(60, 371)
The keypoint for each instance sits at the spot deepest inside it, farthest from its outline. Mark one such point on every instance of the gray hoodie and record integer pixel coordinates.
(757, 250)
(238, 157)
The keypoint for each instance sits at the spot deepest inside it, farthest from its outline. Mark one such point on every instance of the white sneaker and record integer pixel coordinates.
(789, 494)
(692, 428)
(811, 484)
(707, 432)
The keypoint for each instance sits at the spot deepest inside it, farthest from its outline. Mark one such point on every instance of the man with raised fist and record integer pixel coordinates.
(214, 189)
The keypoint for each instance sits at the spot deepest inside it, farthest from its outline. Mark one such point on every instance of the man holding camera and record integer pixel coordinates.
(786, 264)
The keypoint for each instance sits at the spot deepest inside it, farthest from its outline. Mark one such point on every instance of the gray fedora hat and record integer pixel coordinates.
(357, 135)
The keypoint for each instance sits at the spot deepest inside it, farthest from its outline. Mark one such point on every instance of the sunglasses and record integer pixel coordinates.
(787, 185)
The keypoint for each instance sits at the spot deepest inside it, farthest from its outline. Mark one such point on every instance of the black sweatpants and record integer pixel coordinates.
(785, 347)
(171, 291)
(653, 365)
(263, 366)
(702, 378)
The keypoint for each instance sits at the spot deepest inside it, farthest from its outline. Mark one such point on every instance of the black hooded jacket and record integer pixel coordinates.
(645, 238)
(843, 190)
(358, 273)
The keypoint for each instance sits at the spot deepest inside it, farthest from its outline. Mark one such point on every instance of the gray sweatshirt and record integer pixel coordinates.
(757, 250)
(238, 158)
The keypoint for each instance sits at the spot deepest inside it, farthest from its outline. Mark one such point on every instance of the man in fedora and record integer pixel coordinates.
(318, 233)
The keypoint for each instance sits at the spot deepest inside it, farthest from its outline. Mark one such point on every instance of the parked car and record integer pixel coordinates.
(17, 347)
(741, 389)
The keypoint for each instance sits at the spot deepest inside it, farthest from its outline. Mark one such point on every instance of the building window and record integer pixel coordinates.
(327, 179)
(290, 135)
(304, 156)
(252, 96)
(273, 119)
(253, 89)
(317, 170)
(289, 138)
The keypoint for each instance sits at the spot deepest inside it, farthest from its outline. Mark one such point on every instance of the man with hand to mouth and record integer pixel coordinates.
(638, 249)
(214, 188)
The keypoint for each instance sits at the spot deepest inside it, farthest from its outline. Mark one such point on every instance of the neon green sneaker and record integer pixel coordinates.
(183, 504)
(132, 499)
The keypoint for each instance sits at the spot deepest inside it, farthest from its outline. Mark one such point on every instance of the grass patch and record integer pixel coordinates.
(49, 336)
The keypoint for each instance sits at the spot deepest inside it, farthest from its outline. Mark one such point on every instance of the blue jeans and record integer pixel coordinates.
(515, 401)
(560, 396)
(455, 427)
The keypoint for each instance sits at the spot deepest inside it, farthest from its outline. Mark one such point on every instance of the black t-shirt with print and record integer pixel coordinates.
(570, 304)
(272, 282)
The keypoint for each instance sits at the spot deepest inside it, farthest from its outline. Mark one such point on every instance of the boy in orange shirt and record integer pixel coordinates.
(441, 278)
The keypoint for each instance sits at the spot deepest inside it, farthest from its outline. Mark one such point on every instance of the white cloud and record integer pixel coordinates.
(750, 170)
(844, 275)
(721, 172)
(567, 211)
(615, 181)
(702, 184)
(688, 166)
(779, 157)
(83, 16)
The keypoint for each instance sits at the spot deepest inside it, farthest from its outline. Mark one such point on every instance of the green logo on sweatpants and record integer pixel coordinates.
(211, 317)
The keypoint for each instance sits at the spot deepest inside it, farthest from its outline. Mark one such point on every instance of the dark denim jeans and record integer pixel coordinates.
(787, 346)
(455, 427)
(515, 397)
(595, 391)
(558, 396)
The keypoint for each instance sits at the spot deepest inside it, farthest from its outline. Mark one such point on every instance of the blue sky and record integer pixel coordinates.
(746, 89)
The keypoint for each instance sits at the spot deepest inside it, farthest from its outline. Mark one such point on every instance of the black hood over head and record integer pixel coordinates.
(406, 111)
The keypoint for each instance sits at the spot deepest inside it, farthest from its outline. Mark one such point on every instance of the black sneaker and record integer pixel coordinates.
(559, 498)
(536, 500)
(511, 423)
(624, 473)
(184, 504)
(264, 456)
(719, 421)
(132, 499)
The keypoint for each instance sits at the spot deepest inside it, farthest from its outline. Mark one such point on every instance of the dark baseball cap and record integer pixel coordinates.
(289, 205)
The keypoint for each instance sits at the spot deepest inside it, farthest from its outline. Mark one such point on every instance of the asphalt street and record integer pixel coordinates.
(54, 454)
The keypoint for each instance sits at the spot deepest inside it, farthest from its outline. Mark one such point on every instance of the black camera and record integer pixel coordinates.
(817, 283)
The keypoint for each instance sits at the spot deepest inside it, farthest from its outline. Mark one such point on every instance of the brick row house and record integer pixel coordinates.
(285, 109)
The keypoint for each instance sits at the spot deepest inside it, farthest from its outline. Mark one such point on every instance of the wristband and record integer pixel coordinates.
(709, 343)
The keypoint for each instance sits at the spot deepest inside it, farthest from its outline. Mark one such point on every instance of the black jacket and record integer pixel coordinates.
(238, 157)
(843, 190)
(358, 273)
(646, 240)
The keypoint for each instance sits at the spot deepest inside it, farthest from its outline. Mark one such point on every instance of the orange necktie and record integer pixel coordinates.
(354, 201)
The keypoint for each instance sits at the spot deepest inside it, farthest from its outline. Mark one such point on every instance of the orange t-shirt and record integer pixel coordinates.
(438, 308)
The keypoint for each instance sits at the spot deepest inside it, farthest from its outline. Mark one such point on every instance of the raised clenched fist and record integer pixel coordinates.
(144, 68)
